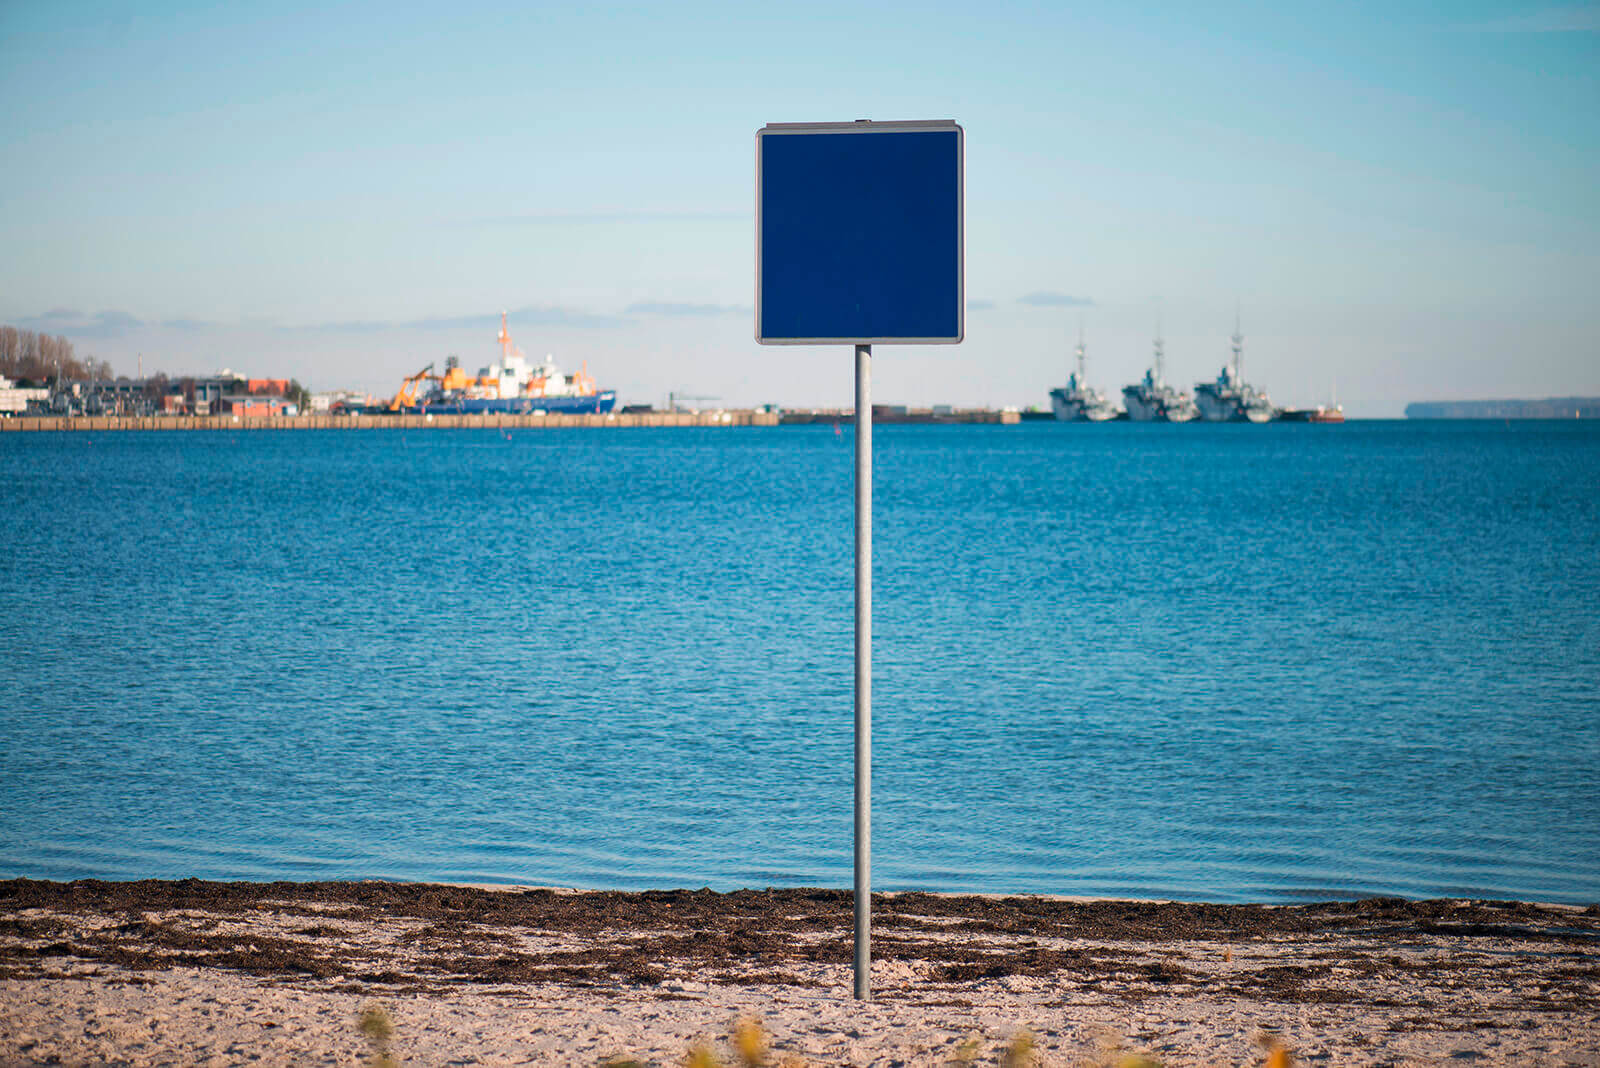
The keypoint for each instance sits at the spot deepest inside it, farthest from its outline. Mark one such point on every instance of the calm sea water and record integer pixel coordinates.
(1207, 662)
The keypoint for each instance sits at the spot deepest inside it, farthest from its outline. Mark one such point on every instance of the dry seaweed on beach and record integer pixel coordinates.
(1371, 970)
(384, 936)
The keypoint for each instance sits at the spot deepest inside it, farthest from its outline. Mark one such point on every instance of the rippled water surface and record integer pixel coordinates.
(1213, 662)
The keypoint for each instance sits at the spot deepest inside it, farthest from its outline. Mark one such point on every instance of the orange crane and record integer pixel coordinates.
(406, 396)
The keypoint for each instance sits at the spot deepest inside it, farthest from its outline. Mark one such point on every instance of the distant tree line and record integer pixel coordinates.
(34, 357)
(26, 354)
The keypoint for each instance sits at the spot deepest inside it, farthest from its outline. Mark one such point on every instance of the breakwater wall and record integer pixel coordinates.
(885, 413)
(434, 421)
(442, 420)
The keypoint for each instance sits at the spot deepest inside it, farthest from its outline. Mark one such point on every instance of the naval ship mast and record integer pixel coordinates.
(1076, 402)
(1238, 348)
(1161, 355)
(1081, 379)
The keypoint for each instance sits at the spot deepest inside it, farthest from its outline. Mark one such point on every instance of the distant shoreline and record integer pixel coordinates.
(387, 422)
(732, 417)
(1547, 408)
(628, 420)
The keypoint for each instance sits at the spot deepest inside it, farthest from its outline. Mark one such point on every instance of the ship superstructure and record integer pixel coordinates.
(1230, 399)
(1152, 400)
(512, 385)
(1076, 402)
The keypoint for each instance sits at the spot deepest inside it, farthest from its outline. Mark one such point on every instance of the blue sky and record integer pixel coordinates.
(1399, 198)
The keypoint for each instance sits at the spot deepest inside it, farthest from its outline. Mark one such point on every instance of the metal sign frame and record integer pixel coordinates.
(869, 128)
(902, 277)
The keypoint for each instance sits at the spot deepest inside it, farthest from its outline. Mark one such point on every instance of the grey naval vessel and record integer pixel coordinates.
(1076, 402)
(1230, 399)
(1152, 400)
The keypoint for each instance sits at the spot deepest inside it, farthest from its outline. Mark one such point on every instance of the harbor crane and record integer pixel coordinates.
(406, 395)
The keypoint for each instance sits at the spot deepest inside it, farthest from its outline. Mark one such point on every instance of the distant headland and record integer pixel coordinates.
(1549, 408)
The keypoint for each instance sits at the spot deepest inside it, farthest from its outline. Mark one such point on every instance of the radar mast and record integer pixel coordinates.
(1082, 381)
(1161, 356)
(1238, 348)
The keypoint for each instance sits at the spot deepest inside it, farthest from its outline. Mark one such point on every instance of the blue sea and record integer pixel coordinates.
(1225, 663)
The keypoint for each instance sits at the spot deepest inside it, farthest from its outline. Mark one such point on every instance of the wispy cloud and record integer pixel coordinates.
(107, 324)
(1048, 299)
(74, 323)
(1551, 20)
(656, 307)
(602, 218)
(979, 305)
(529, 315)
(539, 315)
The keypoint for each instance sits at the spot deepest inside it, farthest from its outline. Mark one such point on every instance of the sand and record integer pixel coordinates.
(211, 973)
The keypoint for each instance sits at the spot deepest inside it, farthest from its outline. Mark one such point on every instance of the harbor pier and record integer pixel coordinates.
(428, 421)
(497, 421)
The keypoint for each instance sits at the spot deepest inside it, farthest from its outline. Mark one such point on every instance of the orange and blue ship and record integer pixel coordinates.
(513, 386)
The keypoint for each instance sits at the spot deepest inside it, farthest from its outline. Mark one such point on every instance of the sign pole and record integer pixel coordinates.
(860, 239)
(864, 672)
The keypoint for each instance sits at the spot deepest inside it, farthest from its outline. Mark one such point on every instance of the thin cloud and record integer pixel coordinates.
(530, 315)
(541, 315)
(109, 324)
(1550, 20)
(70, 321)
(656, 307)
(602, 218)
(980, 305)
(1048, 299)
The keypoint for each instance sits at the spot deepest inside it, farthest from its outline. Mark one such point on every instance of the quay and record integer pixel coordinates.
(429, 421)
(896, 413)
(446, 420)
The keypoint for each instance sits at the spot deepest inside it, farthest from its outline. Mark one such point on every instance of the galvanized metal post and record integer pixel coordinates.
(864, 672)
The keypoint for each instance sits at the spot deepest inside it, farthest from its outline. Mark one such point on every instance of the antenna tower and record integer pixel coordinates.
(1238, 348)
(1161, 356)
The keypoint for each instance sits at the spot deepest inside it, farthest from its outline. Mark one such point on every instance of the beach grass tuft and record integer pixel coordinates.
(1023, 1052)
(750, 1042)
(750, 1045)
(966, 1053)
(378, 1029)
(701, 1055)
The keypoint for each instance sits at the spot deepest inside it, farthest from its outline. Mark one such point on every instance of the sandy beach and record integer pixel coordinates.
(229, 973)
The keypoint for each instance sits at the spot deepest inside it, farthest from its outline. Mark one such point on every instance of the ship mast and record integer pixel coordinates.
(505, 339)
(1238, 348)
(1081, 380)
(1161, 361)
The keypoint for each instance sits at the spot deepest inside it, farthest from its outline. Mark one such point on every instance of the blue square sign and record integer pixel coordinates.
(859, 233)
